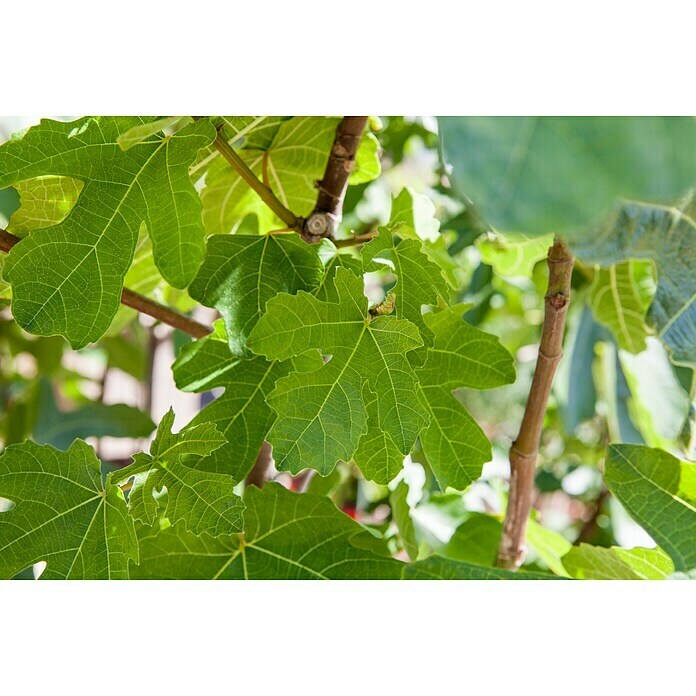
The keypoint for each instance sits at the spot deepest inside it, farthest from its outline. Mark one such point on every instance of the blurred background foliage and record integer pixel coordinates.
(615, 383)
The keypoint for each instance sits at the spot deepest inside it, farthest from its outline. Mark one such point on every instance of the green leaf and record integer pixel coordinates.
(287, 536)
(665, 237)
(63, 514)
(202, 501)
(290, 165)
(659, 492)
(438, 568)
(60, 428)
(67, 279)
(550, 546)
(558, 174)
(617, 303)
(401, 512)
(587, 562)
(322, 414)
(420, 281)
(241, 273)
(513, 255)
(461, 356)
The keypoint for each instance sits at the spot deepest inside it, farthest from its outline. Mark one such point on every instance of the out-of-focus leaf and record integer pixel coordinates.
(416, 213)
(401, 512)
(513, 255)
(60, 428)
(664, 236)
(558, 174)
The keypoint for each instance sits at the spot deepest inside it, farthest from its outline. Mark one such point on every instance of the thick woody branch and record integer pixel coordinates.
(326, 216)
(137, 301)
(523, 454)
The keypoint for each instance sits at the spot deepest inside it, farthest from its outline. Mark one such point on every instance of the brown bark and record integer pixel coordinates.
(259, 472)
(326, 216)
(139, 302)
(523, 454)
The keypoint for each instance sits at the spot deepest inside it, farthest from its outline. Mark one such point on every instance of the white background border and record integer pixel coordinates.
(302, 57)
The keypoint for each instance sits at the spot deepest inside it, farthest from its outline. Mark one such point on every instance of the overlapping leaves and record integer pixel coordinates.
(67, 279)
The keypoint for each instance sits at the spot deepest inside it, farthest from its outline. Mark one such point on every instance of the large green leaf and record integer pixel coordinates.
(659, 492)
(241, 273)
(461, 356)
(666, 237)
(290, 164)
(587, 562)
(558, 174)
(323, 414)
(438, 568)
(63, 514)
(287, 536)
(67, 279)
(201, 500)
(618, 304)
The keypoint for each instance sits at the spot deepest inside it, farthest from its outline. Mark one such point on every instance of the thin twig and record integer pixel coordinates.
(264, 192)
(354, 241)
(523, 454)
(326, 216)
(139, 302)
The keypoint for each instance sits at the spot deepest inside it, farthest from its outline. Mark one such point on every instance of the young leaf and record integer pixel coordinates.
(420, 281)
(241, 273)
(401, 513)
(438, 568)
(517, 170)
(659, 492)
(67, 279)
(587, 562)
(664, 236)
(414, 213)
(63, 514)
(287, 536)
(461, 356)
(322, 414)
(203, 501)
(617, 304)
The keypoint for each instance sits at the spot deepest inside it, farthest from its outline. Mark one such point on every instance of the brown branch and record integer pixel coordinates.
(259, 472)
(523, 454)
(139, 302)
(326, 216)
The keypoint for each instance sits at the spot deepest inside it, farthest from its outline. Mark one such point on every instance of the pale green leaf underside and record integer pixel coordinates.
(67, 279)
(659, 492)
(323, 414)
(63, 515)
(287, 536)
(666, 237)
(617, 303)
